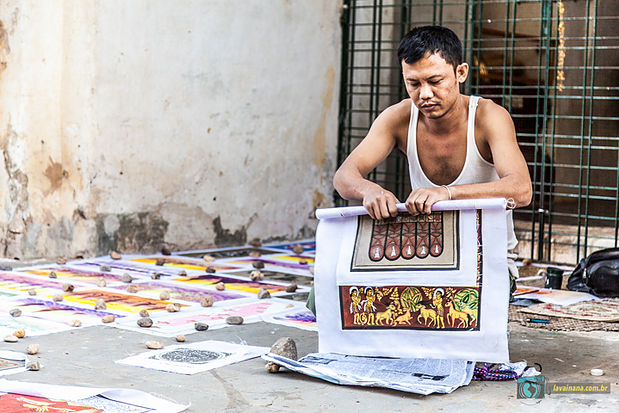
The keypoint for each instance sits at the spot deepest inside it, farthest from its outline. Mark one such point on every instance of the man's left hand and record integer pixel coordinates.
(420, 200)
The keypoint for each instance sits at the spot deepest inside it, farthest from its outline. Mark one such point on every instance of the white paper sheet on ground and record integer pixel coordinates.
(194, 358)
(12, 362)
(75, 393)
(559, 297)
(418, 313)
(421, 376)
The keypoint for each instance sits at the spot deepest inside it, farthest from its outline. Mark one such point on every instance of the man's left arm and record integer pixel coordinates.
(496, 129)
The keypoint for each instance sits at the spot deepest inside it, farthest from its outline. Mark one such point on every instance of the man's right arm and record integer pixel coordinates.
(350, 181)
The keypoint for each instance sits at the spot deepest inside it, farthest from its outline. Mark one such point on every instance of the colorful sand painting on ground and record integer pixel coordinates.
(19, 403)
(32, 326)
(76, 274)
(182, 262)
(309, 246)
(299, 317)
(23, 283)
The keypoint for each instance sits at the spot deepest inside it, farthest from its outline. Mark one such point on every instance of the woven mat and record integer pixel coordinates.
(560, 323)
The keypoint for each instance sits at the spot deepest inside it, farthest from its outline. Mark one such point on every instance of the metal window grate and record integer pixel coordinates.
(553, 64)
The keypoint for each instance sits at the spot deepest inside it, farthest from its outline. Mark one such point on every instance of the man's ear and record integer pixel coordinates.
(462, 72)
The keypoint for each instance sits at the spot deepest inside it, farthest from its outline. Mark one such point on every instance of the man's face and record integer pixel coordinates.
(432, 84)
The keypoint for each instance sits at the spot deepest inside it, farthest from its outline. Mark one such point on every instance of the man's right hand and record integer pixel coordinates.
(380, 203)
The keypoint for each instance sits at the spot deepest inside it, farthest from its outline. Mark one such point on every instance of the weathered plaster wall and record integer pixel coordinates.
(191, 123)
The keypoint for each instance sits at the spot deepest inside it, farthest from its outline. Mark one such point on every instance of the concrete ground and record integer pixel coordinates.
(86, 357)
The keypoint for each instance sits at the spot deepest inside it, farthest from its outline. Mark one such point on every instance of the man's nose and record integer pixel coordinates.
(425, 92)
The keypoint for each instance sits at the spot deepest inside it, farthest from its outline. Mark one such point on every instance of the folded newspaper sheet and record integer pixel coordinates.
(421, 376)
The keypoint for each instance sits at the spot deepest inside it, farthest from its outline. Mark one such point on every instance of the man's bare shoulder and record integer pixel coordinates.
(397, 113)
(492, 117)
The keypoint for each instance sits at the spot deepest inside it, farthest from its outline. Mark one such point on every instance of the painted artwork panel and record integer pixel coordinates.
(59, 312)
(182, 262)
(309, 246)
(112, 406)
(226, 252)
(407, 243)
(409, 307)
(118, 301)
(19, 403)
(280, 277)
(180, 292)
(22, 283)
(134, 269)
(76, 274)
(275, 265)
(299, 317)
(33, 326)
(234, 284)
(169, 325)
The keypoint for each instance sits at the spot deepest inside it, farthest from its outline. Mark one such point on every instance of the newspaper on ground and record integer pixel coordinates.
(196, 357)
(124, 400)
(421, 376)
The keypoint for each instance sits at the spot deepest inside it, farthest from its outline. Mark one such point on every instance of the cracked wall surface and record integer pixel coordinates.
(133, 125)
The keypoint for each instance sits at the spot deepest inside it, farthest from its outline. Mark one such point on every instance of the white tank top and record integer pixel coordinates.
(476, 169)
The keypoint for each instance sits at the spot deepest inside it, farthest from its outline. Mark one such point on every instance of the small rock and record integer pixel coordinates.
(166, 251)
(302, 261)
(76, 323)
(210, 270)
(101, 283)
(254, 254)
(171, 308)
(32, 291)
(144, 313)
(208, 258)
(180, 338)
(57, 297)
(11, 339)
(200, 326)
(285, 347)
(596, 372)
(126, 278)
(100, 304)
(234, 320)
(291, 288)
(263, 293)
(164, 295)
(115, 255)
(220, 286)
(160, 261)
(33, 365)
(32, 349)
(207, 301)
(15, 312)
(68, 287)
(178, 306)
(154, 345)
(256, 275)
(298, 249)
(145, 322)
(52, 274)
(61, 261)
(258, 264)
(155, 275)
(526, 261)
(108, 318)
(132, 288)
(182, 273)
(21, 333)
(255, 243)
(105, 268)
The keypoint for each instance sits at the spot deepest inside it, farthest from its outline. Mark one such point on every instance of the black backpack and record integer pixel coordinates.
(597, 274)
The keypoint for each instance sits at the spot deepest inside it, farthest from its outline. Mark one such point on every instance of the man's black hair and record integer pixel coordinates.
(430, 39)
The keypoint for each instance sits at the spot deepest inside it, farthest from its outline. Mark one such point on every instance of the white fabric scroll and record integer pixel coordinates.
(443, 313)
